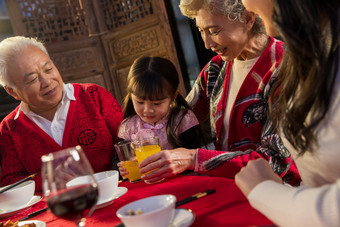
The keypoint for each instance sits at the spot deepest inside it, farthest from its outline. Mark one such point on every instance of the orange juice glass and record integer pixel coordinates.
(132, 167)
(146, 151)
(146, 147)
(127, 155)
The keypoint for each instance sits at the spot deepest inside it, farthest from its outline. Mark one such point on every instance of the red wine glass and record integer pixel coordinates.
(75, 202)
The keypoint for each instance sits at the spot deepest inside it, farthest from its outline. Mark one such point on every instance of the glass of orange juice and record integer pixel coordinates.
(146, 147)
(127, 155)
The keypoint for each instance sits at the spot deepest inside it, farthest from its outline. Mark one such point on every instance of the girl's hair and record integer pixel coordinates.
(10, 47)
(156, 78)
(232, 9)
(308, 70)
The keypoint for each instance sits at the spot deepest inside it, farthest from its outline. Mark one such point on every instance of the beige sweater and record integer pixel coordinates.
(317, 202)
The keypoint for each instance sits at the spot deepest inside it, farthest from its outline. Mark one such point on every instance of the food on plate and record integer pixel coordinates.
(137, 212)
(9, 223)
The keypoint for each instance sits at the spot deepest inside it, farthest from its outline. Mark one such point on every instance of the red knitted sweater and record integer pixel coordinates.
(92, 122)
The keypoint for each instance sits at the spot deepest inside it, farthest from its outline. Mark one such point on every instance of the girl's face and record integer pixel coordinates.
(151, 111)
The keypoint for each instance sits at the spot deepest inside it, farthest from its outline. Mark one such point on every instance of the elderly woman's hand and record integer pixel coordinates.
(254, 173)
(167, 163)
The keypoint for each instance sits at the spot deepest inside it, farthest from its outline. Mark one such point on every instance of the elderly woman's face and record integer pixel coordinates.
(226, 38)
(36, 80)
(264, 8)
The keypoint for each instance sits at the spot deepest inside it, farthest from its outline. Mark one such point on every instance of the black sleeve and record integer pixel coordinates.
(190, 139)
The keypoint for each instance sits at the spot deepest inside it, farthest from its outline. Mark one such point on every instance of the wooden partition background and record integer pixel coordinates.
(96, 41)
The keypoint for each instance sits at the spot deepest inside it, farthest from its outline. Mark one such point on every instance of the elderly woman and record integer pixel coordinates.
(52, 115)
(306, 112)
(232, 92)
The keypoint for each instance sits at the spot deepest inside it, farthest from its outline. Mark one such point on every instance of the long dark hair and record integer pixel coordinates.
(310, 30)
(156, 78)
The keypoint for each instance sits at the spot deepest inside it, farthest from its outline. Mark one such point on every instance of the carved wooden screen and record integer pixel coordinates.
(96, 40)
(65, 26)
(120, 13)
(133, 28)
(53, 21)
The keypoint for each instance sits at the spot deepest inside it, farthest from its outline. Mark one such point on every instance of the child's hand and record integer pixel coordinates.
(122, 170)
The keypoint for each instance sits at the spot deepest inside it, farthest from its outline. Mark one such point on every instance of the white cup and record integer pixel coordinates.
(107, 184)
(17, 197)
(157, 211)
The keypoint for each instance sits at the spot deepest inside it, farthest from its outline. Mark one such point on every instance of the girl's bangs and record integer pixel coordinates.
(150, 88)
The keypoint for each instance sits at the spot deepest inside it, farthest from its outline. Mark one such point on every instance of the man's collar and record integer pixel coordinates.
(68, 94)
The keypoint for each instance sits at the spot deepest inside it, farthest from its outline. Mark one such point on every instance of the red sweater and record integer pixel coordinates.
(92, 122)
(251, 135)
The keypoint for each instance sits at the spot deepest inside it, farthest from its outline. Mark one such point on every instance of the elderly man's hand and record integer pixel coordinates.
(254, 173)
(167, 163)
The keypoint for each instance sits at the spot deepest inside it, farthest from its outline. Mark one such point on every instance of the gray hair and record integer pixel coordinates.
(10, 47)
(232, 9)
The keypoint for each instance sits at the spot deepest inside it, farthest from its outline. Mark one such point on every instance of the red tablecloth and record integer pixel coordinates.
(226, 207)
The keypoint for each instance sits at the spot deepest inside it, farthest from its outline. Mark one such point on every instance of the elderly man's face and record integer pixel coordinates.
(37, 82)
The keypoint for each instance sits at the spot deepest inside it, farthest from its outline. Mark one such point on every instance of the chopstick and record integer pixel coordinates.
(19, 182)
(194, 197)
(123, 180)
(33, 214)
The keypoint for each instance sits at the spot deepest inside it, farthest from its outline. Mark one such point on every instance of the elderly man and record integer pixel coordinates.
(52, 115)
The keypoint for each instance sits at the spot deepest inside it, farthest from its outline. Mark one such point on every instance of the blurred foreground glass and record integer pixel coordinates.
(127, 155)
(72, 203)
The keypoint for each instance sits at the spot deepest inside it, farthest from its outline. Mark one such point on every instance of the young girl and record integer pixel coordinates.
(153, 105)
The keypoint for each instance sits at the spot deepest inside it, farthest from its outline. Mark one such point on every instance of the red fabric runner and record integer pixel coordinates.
(226, 207)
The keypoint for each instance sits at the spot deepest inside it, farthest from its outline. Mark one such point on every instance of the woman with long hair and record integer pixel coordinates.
(306, 113)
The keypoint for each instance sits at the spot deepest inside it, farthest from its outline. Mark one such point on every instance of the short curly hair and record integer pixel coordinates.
(10, 47)
(232, 9)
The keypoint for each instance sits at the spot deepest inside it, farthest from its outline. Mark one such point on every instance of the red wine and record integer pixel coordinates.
(74, 203)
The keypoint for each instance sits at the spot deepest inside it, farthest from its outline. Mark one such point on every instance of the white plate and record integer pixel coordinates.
(7, 213)
(182, 218)
(120, 191)
(36, 222)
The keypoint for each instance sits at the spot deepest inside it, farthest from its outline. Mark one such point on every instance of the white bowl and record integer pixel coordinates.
(157, 211)
(18, 196)
(107, 184)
